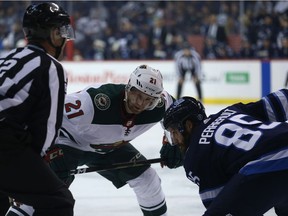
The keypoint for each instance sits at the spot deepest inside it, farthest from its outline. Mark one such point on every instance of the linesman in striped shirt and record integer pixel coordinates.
(32, 90)
(188, 61)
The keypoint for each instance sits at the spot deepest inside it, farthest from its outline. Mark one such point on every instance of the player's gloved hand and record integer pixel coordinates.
(55, 157)
(171, 155)
(52, 153)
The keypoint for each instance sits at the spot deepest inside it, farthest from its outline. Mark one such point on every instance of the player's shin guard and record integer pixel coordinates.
(150, 196)
(22, 210)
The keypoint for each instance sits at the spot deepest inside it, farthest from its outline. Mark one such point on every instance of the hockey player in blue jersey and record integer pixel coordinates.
(238, 157)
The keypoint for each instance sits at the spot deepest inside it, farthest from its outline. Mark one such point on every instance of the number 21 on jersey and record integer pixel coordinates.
(73, 109)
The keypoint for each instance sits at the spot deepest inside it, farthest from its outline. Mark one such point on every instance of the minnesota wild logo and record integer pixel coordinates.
(102, 101)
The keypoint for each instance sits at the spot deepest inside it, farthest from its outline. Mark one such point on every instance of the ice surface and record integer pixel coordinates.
(96, 196)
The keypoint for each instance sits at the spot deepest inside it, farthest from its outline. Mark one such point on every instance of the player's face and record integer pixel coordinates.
(137, 101)
(177, 138)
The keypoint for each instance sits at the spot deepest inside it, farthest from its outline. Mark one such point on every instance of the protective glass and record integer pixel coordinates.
(67, 32)
(169, 137)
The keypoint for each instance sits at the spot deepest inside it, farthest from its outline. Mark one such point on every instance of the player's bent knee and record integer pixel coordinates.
(150, 196)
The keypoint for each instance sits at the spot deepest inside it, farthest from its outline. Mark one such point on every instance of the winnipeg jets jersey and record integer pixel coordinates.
(242, 138)
(95, 119)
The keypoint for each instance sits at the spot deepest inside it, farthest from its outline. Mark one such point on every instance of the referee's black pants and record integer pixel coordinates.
(4, 204)
(27, 178)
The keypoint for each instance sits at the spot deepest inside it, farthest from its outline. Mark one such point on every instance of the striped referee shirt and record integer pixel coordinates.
(32, 91)
(188, 62)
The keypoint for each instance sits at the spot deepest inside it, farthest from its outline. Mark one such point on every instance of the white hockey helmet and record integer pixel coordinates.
(147, 80)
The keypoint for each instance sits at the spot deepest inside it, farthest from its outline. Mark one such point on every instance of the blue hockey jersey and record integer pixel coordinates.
(242, 138)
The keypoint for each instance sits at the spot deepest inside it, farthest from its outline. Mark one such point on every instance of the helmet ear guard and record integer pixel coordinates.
(147, 80)
(181, 110)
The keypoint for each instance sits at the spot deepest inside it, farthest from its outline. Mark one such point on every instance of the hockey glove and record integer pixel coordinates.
(55, 158)
(171, 155)
(52, 153)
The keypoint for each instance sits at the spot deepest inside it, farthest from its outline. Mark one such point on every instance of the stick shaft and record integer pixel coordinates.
(115, 166)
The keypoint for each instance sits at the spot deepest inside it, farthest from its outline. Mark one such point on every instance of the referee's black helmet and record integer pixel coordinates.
(40, 18)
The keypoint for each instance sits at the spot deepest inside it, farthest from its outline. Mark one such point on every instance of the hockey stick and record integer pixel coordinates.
(114, 166)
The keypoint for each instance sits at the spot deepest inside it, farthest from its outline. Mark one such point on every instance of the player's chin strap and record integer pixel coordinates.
(58, 49)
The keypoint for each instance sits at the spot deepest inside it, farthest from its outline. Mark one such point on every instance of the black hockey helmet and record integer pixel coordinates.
(181, 110)
(40, 18)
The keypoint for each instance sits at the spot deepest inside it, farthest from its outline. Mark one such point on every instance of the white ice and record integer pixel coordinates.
(96, 196)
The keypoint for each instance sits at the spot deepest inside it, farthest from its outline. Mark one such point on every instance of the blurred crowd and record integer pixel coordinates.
(109, 30)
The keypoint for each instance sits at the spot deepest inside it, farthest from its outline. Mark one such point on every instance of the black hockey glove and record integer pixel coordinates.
(55, 158)
(53, 153)
(171, 155)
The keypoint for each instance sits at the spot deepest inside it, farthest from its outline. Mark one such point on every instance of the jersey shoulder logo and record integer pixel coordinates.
(102, 101)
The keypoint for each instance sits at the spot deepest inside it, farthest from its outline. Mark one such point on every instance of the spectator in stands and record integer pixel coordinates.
(261, 8)
(283, 50)
(99, 49)
(249, 27)
(155, 21)
(90, 28)
(267, 30)
(159, 51)
(6, 48)
(223, 51)
(14, 35)
(157, 36)
(209, 51)
(265, 49)
(283, 32)
(247, 51)
(3, 31)
(215, 30)
(127, 40)
(214, 50)
(175, 43)
(281, 7)
(233, 22)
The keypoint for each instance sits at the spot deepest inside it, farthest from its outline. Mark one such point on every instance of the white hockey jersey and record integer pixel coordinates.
(95, 119)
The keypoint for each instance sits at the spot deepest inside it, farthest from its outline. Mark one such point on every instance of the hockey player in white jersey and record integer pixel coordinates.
(99, 123)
